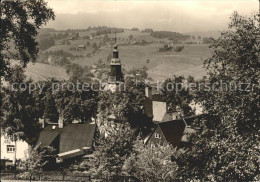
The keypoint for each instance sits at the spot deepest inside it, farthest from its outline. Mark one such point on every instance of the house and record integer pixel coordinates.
(11, 150)
(70, 141)
(170, 125)
(81, 47)
(167, 132)
(70, 37)
(156, 107)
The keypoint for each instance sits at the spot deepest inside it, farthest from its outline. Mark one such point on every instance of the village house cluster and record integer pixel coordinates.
(76, 140)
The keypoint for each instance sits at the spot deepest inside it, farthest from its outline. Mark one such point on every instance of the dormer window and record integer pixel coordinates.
(157, 135)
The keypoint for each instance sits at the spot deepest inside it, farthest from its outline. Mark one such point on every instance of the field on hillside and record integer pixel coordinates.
(161, 65)
(41, 72)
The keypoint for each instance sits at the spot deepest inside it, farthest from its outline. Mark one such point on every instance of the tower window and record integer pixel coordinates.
(157, 135)
(10, 148)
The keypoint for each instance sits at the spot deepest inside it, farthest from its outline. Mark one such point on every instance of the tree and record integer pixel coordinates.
(20, 22)
(236, 62)
(190, 79)
(224, 147)
(77, 35)
(207, 40)
(178, 48)
(124, 105)
(19, 113)
(37, 162)
(78, 103)
(131, 37)
(95, 46)
(176, 94)
(110, 152)
(50, 110)
(153, 162)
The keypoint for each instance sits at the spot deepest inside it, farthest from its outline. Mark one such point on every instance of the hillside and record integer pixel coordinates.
(135, 48)
(39, 72)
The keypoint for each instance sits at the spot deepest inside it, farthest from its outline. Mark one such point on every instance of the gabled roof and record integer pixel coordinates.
(47, 135)
(76, 136)
(173, 131)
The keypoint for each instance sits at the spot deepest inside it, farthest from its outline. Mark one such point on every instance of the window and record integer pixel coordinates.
(10, 148)
(157, 135)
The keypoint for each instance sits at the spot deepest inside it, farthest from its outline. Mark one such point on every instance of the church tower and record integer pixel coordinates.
(115, 76)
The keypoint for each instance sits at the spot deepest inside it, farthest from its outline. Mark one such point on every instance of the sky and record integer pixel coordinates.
(172, 15)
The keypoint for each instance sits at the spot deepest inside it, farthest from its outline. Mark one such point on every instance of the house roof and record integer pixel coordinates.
(173, 131)
(76, 136)
(47, 135)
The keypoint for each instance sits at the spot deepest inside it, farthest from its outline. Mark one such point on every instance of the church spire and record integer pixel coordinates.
(115, 66)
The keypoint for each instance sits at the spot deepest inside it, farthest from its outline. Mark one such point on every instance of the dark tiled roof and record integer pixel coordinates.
(173, 131)
(76, 136)
(167, 117)
(47, 135)
(189, 120)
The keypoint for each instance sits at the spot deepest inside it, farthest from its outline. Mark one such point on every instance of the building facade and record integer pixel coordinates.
(11, 150)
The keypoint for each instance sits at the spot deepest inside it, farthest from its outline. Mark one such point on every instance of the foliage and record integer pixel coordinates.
(110, 152)
(20, 22)
(45, 41)
(50, 110)
(124, 104)
(107, 30)
(174, 36)
(20, 115)
(134, 29)
(226, 146)
(131, 37)
(207, 40)
(153, 162)
(77, 103)
(235, 61)
(178, 48)
(165, 48)
(38, 162)
(177, 94)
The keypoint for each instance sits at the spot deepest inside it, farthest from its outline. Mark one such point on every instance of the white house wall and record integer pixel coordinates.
(21, 148)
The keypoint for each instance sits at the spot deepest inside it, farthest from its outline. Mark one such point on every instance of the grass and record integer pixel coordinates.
(162, 64)
(40, 71)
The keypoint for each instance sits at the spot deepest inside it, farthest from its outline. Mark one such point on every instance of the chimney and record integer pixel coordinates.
(148, 92)
(42, 122)
(60, 122)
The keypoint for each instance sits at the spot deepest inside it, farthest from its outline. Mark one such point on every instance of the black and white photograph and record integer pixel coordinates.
(130, 90)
